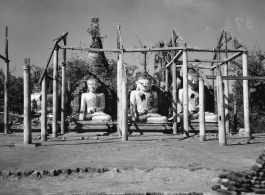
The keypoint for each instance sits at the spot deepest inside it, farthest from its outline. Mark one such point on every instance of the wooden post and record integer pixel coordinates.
(202, 109)
(124, 125)
(44, 109)
(55, 93)
(63, 91)
(235, 114)
(226, 92)
(69, 90)
(174, 91)
(245, 96)
(166, 80)
(6, 88)
(119, 84)
(27, 104)
(221, 115)
(185, 93)
(175, 100)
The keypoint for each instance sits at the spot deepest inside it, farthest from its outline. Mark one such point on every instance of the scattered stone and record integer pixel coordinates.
(116, 170)
(95, 138)
(18, 173)
(83, 170)
(81, 138)
(5, 173)
(86, 137)
(75, 170)
(53, 173)
(100, 170)
(35, 174)
(63, 138)
(216, 180)
(66, 171)
(42, 173)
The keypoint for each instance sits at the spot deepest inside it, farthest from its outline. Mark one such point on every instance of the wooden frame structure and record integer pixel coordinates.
(179, 51)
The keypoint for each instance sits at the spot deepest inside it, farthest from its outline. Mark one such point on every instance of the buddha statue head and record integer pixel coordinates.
(92, 84)
(143, 82)
(193, 79)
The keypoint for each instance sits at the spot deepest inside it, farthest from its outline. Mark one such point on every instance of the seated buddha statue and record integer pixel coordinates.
(92, 104)
(144, 102)
(193, 98)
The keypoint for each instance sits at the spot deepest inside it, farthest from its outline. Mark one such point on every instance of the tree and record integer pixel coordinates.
(256, 67)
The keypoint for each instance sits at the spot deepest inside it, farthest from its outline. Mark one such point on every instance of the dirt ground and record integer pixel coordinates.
(146, 163)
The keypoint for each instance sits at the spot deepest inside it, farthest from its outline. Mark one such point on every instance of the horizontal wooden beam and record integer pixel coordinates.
(237, 77)
(150, 49)
(206, 60)
(123, 50)
(216, 50)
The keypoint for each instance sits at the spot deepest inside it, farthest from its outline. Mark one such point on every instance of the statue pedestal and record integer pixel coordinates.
(210, 127)
(91, 126)
(150, 127)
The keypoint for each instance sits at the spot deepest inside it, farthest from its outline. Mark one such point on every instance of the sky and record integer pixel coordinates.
(34, 24)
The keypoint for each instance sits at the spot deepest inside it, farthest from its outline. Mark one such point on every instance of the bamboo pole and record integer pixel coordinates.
(207, 61)
(119, 83)
(124, 124)
(166, 80)
(55, 93)
(237, 77)
(50, 57)
(185, 93)
(44, 110)
(226, 91)
(177, 56)
(174, 103)
(235, 114)
(216, 50)
(221, 119)
(246, 96)
(131, 50)
(174, 81)
(63, 91)
(27, 104)
(6, 87)
(228, 59)
(202, 109)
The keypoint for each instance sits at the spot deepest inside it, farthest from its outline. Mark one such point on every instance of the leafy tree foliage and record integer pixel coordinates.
(256, 67)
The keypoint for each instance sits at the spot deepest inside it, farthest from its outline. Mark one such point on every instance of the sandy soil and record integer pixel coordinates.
(147, 163)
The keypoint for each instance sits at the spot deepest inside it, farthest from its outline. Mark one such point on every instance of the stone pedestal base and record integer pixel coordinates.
(89, 126)
(210, 127)
(150, 128)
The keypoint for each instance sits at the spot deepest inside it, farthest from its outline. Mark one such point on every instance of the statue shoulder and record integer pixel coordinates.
(133, 92)
(101, 94)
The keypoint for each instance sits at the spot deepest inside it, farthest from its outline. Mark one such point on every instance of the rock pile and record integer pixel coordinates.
(233, 183)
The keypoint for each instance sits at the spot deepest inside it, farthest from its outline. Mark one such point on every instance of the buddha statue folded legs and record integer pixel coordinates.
(144, 102)
(92, 104)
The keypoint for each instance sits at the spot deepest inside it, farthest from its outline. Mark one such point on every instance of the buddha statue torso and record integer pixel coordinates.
(193, 98)
(144, 103)
(92, 104)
